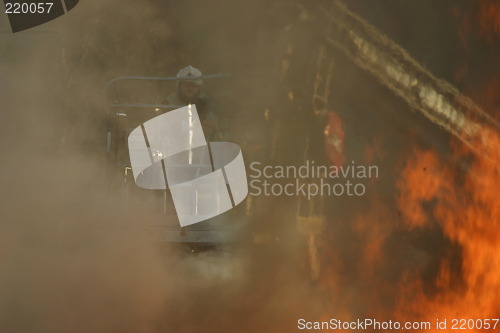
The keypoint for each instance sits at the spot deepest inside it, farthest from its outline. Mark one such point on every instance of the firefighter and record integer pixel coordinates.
(189, 91)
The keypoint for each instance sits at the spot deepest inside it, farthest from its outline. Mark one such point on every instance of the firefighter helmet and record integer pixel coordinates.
(190, 73)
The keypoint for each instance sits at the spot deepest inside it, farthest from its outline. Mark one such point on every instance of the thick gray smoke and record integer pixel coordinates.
(70, 262)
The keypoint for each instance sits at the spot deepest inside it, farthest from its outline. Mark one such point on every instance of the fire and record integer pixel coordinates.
(489, 18)
(467, 209)
(461, 196)
(481, 20)
(457, 196)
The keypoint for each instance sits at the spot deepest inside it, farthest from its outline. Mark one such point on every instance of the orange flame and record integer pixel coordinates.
(469, 215)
